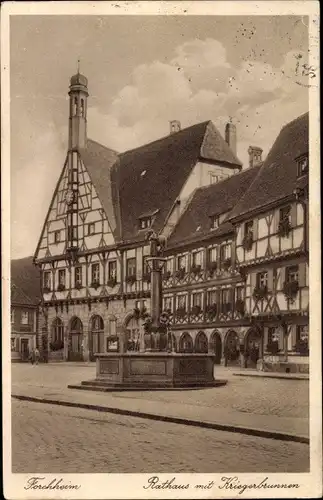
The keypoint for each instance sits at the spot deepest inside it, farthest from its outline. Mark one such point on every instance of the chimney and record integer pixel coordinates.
(175, 126)
(255, 156)
(231, 136)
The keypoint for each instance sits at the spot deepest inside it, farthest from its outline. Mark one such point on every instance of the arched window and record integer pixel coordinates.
(76, 325)
(82, 107)
(97, 324)
(75, 106)
(232, 347)
(57, 330)
(186, 343)
(201, 343)
(216, 346)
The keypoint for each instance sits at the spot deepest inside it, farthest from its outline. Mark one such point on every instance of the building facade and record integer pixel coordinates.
(25, 300)
(93, 248)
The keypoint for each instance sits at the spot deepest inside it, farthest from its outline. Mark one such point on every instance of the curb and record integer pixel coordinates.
(292, 377)
(175, 420)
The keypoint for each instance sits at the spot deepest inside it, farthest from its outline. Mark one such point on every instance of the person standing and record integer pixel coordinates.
(36, 355)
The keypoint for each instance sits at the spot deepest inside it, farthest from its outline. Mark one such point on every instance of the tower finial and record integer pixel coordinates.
(78, 65)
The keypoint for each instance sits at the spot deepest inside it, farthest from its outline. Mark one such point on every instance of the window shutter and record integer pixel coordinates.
(253, 281)
(282, 276)
(276, 220)
(302, 274)
(270, 279)
(255, 229)
(242, 227)
(293, 214)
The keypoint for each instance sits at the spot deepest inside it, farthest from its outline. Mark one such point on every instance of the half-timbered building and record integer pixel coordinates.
(92, 250)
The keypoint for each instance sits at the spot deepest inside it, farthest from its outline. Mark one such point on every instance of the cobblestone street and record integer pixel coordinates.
(262, 396)
(52, 439)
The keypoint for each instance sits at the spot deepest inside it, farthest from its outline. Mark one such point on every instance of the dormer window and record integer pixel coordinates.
(302, 166)
(215, 221)
(57, 236)
(145, 223)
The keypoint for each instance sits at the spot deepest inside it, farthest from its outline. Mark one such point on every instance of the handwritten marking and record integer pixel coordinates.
(36, 483)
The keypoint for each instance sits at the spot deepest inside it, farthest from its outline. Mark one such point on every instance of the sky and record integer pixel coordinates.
(143, 71)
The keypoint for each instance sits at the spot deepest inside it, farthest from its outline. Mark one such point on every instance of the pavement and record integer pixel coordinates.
(259, 406)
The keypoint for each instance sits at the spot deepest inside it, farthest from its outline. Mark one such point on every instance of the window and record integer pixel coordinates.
(82, 107)
(239, 293)
(131, 267)
(225, 300)
(196, 259)
(13, 343)
(262, 279)
(197, 299)
(57, 236)
(212, 254)
(75, 106)
(211, 297)
(95, 272)
(213, 178)
(292, 274)
(215, 221)
(302, 340)
(168, 304)
(58, 332)
(181, 262)
(61, 277)
(12, 315)
(285, 214)
(24, 318)
(78, 276)
(248, 228)
(225, 252)
(47, 280)
(145, 267)
(145, 223)
(273, 334)
(72, 233)
(181, 302)
(302, 166)
(112, 270)
(91, 228)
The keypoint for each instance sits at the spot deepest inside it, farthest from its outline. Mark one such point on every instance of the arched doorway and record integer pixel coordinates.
(76, 340)
(96, 340)
(216, 346)
(232, 348)
(201, 343)
(185, 343)
(252, 348)
(133, 330)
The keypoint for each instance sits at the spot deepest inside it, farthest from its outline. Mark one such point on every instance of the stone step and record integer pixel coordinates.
(102, 386)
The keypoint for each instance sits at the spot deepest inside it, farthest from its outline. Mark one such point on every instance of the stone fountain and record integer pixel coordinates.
(158, 366)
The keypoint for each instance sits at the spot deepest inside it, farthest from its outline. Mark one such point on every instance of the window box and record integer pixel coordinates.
(95, 285)
(284, 227)
(167, 275)
(57, 345)
(165, 317)
(211, 310)
(212, 267)
(78, 286)
(112, 282)
(181, 312)
(143, 313)
(226, 264)
(226, 307)
(146, 277)
(240, 306)
(290, 289)
(46, 289)
(301, 347)
(247, 241)
(273, 348)
(131, 279)
(260, 292)
(196, 310)
(196, 269)
(180, 273)
(61, 287)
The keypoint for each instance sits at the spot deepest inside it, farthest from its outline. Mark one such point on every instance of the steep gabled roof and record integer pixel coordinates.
(100, 163)
(25, 282)
(152, 176)
(277, 178)
(214, 200)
